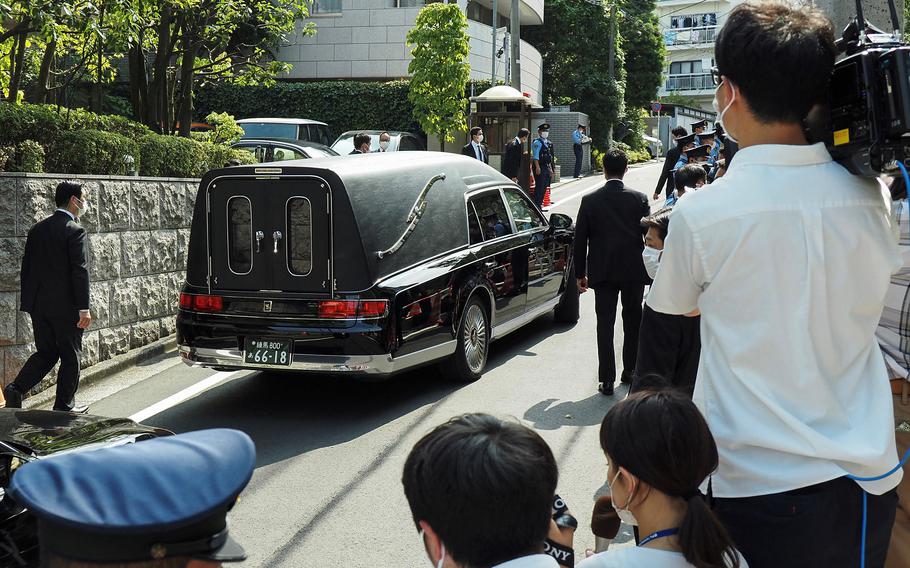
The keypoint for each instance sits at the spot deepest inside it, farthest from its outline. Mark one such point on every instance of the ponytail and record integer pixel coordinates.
(703, 539)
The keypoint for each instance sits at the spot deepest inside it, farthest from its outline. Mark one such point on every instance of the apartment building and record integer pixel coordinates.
(365, 40)
(689, 28)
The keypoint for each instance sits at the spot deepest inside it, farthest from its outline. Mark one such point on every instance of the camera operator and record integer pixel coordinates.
(787, 258)
(481, 491)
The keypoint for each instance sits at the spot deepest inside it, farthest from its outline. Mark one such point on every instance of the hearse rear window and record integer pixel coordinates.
(494, 219)
(240, 235)
(300, 236)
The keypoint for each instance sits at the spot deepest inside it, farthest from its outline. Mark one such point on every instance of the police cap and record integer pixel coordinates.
(140, 502)
(544, 126)
(699, 152)
(683, 141)
(707, 134)
(700, 124)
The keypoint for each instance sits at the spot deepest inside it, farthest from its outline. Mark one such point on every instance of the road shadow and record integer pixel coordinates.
(552, 414)
(288, 415)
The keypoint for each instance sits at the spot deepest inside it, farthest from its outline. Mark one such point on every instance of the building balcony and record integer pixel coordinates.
(688, 37)
(693, 85)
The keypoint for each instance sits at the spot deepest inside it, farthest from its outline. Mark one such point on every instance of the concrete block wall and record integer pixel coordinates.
(562, 125)
(138, 230)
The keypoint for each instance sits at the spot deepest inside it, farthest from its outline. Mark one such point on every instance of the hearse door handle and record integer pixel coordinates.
(276, 236)
(259, 236)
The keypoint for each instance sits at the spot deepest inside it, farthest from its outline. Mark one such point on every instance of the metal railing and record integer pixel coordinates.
(690, 36)
(326, 6)
(696, 82)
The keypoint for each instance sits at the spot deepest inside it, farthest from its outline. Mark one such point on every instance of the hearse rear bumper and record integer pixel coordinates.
(377, 365)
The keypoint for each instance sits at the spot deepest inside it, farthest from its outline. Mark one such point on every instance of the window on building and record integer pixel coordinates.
(686, 67)
(326, 6)
(693, 21)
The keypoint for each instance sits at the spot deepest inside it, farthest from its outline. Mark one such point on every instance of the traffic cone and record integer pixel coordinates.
(546, 198)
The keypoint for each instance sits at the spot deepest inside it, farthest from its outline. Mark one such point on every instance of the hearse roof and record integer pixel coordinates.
(372, 195)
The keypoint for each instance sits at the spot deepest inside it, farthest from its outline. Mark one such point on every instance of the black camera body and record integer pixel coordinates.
(869, 111)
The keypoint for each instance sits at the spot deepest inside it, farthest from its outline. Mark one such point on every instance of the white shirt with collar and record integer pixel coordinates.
(532, 561)
(478, 150)
(788, 258)
(68, 212)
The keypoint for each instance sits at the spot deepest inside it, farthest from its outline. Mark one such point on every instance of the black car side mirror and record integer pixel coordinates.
(560, 221)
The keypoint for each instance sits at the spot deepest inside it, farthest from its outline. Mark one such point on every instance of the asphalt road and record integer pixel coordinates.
(327, 487)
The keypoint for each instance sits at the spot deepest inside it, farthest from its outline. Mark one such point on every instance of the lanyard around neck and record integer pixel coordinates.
(659, 534)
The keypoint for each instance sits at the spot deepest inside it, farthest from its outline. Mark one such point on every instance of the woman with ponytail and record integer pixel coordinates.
(659, 450)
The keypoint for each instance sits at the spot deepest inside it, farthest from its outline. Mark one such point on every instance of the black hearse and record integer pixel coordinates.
(367, 265)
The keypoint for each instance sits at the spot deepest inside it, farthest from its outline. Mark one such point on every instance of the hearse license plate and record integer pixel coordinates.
(263, 351)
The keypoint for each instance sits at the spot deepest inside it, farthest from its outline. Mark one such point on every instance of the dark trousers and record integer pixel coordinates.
(56, 339)
(577, 149)
(669, 346)
(820, 525)
(541, 183)
(605, 296)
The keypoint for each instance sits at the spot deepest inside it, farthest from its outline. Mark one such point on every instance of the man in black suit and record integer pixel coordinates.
(673, 154)
(608, 247)
(511, 162)
(361, 144)
(55, 294)
(475, 148)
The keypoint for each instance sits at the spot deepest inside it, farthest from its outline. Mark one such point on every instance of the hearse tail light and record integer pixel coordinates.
(201, 302)
(347, 309)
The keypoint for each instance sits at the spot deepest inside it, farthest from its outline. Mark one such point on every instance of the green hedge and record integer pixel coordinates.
(93, 152)
(80, 142)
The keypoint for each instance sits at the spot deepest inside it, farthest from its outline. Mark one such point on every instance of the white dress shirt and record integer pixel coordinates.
(639, 557)
(532, 561)
(788, 257)
(478, 150)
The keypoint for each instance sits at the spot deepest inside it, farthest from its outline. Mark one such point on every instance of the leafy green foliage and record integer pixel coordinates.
(29, 157)
(93, 152)
(440, 70)
(643, 46)
(343, 105)
(226, 131)
(172, 156)
(574, 43)
(6, 154)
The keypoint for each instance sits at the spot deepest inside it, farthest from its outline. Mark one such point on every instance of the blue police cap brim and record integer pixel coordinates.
(169, 490)
(230, 551)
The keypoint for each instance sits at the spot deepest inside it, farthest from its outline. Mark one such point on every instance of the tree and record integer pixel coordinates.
(439, 70)
(576, 68)
(644, 49)
(177, 45)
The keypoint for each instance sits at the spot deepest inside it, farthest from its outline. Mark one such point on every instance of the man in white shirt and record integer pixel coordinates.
(787, 258)
(481, 491)
(475, 148)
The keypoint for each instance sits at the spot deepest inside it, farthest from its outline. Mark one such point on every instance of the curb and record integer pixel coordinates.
(100, 371)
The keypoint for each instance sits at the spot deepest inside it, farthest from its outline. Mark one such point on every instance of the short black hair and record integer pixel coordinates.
(66, 190)
(476, 130)
(615, 162)
(689, 175)
(660, 220)
(485, 485)
(361, 138)
(523, 133)
(764, 47)
(680, 131)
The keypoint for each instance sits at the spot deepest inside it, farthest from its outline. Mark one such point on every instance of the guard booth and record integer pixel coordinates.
(501, 111)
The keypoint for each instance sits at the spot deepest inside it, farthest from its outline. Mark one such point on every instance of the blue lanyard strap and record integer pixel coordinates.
(659, 534)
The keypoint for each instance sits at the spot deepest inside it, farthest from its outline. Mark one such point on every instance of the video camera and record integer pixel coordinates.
(866, 124)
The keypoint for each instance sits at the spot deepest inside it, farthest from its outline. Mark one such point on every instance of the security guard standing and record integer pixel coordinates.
(579, 137)
(161, 502)
(697, 129)
(542, 162)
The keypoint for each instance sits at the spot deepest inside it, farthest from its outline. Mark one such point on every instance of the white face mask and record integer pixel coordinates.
(651, 256)
(480, 138)
(544, 134)
(625, 515)
(442, 555)
(384, 144)
(720, 113)
(84, 208)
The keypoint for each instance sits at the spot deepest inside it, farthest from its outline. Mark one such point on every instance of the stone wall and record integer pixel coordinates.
(138, 230)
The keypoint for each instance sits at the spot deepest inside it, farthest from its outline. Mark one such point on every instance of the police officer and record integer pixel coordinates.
(685, 144)
(542, 162)
(697, 129)
(579, 137)
(161, 502)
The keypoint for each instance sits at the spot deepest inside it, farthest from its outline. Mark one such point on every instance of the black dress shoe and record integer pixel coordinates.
(605, 389)
(626, 379)
(13, 396)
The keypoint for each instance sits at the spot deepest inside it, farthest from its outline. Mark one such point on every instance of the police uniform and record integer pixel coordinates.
(578, 139)
(695, 126)
(542, 151)
(681, 143)
(142, 502)
(710, 139)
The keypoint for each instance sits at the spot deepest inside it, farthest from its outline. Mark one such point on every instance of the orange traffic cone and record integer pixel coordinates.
(546, 198)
